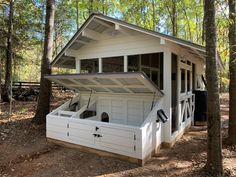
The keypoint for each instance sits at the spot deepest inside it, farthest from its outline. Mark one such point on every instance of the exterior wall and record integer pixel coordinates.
(137, 43)
(133, 141)
(118, 45)
(131, 110)
(199, 64)
(125, 111)
(79, 131)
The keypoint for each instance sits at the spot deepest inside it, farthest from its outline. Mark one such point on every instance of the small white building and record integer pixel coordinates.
(135, 89)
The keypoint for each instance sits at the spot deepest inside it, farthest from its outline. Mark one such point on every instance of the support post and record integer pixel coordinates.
(167, 91)
(125, 63)
(100, 65)
(78, 65)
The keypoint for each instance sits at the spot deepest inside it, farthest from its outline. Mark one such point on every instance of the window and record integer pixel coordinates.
(113, 64)
(89, 66)
(133, 63)
(188, 80)
(183, 80)
(193, 76)
(151, 64)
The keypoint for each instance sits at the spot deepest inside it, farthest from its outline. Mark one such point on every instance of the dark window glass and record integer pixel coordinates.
(188, 80)
(89, 66)
(182, 80)
(145, 60)
(155, 60)
(147, 72)
(193, 77)
(188, 63)
(152, 65)
(113, 64)
(133, 63)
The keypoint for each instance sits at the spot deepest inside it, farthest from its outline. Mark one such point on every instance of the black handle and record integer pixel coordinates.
(97, 135)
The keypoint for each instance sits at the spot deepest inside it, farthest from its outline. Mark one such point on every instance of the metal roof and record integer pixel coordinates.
(78, 40)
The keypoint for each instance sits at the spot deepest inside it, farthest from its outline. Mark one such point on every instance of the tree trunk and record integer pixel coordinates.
(45, 85)
(0, 82)
(8, 75)
(153, 16)
(203, 25)
(77, 13)
(232, 71)
(174, 19)
(90, 7)
(214, 143)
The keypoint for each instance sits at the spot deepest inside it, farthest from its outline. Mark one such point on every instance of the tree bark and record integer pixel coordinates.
(9, 53)
(174, 20)
(90, 10)
(232, 71)
(214, 143)
(203, 25)
(45, 85)
(77, 14)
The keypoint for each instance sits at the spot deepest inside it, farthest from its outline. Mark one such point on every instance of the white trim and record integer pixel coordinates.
(78, 65)
(100, 65)
(125, 63)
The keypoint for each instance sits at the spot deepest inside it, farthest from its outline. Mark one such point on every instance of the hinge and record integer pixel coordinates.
(68, 134)
(134, 148)
(134, 137)
(68, 125)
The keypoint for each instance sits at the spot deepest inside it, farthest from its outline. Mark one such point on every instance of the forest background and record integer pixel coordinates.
(181, 18)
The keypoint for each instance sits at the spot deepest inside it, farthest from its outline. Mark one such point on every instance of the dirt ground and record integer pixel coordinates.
(24, 150)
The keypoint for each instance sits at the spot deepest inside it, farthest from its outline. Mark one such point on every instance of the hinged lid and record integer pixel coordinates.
(125, 83)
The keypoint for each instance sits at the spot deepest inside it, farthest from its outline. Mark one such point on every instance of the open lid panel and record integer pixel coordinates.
(118, 83)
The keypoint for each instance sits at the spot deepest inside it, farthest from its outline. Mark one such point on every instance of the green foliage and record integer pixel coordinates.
(159, 15)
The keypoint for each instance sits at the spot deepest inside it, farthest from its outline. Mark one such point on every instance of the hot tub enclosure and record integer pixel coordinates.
(134, 89)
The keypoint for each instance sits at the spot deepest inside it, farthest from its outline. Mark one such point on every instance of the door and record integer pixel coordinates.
(115, 139)
(108, 138)
(185, 90)
(81, 133)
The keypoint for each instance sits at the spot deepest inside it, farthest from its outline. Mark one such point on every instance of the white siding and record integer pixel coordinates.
(119, 45)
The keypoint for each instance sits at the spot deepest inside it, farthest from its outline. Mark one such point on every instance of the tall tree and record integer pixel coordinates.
(45, 85)
(9, 55)
(232, 72)
(214, 143)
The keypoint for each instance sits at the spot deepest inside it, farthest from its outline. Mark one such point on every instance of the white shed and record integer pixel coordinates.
(134, 89)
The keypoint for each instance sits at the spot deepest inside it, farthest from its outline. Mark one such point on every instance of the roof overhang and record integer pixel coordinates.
(97, 23)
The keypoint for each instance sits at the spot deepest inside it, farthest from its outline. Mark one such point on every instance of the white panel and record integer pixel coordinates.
(81, 133)
(119, 45)
(117, 139)
(57, 122)
(57, 135)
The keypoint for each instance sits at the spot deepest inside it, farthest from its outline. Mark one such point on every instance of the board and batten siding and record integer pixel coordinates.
(118, 45)
(124, 110)
(81, 131)
(132, 141)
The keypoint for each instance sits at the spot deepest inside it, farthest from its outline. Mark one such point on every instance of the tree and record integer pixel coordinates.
(9, 55)
(45, 85)
(232, 72)
(214, 143)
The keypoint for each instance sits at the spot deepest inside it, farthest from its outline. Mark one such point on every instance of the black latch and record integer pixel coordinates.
(96, 128)
(161, 115)
(97, 135)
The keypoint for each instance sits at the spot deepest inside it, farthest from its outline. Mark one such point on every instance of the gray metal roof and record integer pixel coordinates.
(78, 40)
